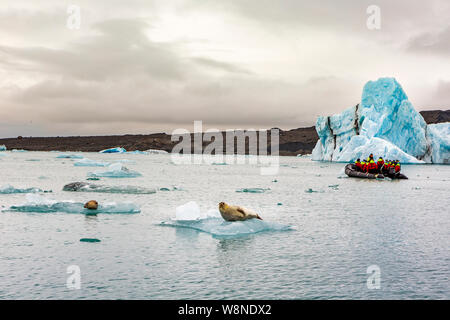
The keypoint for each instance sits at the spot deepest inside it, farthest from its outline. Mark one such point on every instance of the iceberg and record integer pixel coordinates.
(2, 147)
(136, 152)
(155, 151)
(438, 136)
(85, 162)
(19, 150)
(115, 170)
(190, 216)
(39, 204)
(8, 189)
(384, 123)
(88, 187)
(114, 150)
(69, 156)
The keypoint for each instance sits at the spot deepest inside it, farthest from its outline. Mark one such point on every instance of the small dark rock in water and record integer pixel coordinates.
(89, 240)
(279, 204)
(93, 178)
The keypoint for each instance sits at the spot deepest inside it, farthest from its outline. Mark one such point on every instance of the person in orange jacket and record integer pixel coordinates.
(364, 166)
(372, 166)
(380, 163)
(358, 165)
(397, 166)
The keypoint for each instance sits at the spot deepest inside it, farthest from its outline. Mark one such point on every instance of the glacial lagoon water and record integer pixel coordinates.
(342, 226)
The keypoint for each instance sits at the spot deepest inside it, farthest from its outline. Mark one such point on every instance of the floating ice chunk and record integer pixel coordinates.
(438, 136)
(114, 150)
(173, 188)
(69, 156)
(89, 240)
(115, 170)
(2, 147)
(19, 150)
(253, 190)
(8, 189)
(155, 151)
(188, 211)
(85, 162)
(88, 187)
(39, 204)
(220, 228)
(190, 216)
(137, 152)
(191, 211)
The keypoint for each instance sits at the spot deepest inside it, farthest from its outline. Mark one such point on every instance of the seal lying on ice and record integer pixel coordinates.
(236, 213)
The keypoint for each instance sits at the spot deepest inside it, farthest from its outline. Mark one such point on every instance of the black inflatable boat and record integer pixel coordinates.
(350, 170)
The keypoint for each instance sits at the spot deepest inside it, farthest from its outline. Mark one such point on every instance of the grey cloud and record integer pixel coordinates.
(211, 63)
(120, 48)
(431, 43)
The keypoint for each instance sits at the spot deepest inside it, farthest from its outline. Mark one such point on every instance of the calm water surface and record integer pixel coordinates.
(403, 227)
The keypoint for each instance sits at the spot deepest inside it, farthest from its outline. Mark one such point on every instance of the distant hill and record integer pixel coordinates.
(436, 116)
(292, 142)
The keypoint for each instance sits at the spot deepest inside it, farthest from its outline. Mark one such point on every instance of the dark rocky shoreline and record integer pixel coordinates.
(292, 142)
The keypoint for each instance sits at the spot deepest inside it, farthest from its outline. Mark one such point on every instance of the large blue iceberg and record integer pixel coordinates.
(190, 216)
(386, 124)
(2, 147)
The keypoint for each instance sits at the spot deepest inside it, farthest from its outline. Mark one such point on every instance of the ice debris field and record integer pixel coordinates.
(386, 124)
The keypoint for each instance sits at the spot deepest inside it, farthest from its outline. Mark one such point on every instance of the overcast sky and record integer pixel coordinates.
(141, 66)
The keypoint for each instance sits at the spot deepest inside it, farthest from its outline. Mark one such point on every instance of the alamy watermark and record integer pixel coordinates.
(73, 281)
(74, 18)
(374, 20)
(374, 279)
(233, 146)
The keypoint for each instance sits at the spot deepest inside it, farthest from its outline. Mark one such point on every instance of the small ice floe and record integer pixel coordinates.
(219, 163)
(190, 216)
(39, 204)
(334, 186)
(136, 152)
(69, 156)
(115, 170)
(155, 151)
(312, 191)
(89, 187)
(114, 150)
(85, 162)
(253, 190)
(8, 189)
(2, 147)
(89, 240)
(173, 188)
(19, 150)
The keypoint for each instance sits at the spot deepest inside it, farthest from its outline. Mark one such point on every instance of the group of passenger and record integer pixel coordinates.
(380, 166)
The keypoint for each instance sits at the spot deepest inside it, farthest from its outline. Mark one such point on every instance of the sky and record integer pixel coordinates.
(144, 66)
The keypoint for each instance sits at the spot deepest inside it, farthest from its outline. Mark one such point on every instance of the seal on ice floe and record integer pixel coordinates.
(236, 213)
